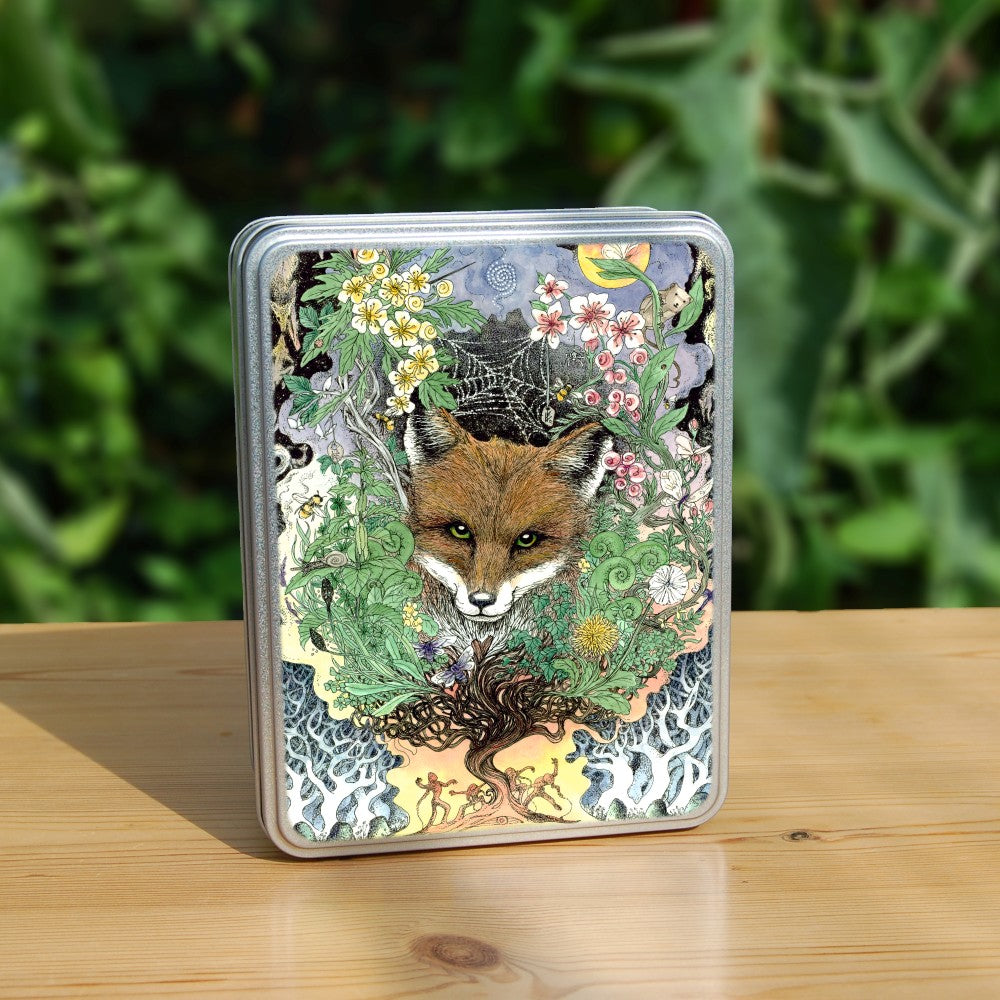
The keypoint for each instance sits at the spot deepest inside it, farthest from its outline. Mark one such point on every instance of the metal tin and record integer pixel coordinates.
(484, 466)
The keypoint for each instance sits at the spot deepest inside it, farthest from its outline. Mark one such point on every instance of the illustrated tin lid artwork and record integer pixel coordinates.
(484, 487)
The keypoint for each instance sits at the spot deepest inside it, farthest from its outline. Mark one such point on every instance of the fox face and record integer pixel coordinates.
(494, 520)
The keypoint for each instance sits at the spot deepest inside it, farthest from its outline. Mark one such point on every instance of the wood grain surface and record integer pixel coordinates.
(857, 855)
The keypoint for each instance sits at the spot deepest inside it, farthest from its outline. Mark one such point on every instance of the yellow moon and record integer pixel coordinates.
(639, 256)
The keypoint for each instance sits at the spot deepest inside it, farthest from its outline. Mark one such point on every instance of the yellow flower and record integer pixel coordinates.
(584, 565)
(369, 315)
(595, 636)
(424, 362)
(367, 256)
(395, 289)
(404, 380)
(414, 303)
(427, 332)
(419, 281)
(402, 330)
(444, 288)
(353, 288)
(379, 271)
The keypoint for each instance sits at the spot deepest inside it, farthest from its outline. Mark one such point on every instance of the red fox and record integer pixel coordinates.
(494, 520)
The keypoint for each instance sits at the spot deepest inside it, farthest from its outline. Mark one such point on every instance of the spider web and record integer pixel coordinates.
(506, 380)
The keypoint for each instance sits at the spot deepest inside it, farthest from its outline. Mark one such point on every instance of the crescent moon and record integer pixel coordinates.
(584, 253)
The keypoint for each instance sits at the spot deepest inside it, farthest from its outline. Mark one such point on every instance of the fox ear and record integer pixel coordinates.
(431, 433)
(577, 457)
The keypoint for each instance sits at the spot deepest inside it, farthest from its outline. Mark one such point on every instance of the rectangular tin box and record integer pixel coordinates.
(484, 466)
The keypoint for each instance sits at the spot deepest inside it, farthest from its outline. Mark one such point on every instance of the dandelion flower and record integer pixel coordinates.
(595, 636)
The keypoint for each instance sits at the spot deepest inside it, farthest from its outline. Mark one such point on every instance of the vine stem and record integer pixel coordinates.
(358, 426)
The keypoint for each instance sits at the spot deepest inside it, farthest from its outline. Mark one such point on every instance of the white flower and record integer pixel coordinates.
(549, 325)
(404, 380)
(672, 484)
(684, 445)
(592, 313)
(395, 288)
(668, 585)
(551, 288)
(424, 362)
(418, 280)
(401, 331)
(396, 406)
(368, 315)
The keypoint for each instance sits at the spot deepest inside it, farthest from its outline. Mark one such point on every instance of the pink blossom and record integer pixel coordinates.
(629, 472)
(551, 289)
(617, 376)
(592, 397)
(591, 313)
(639, 356)
(604, 360)
(626, 331)
(616, 399)
(548, 325)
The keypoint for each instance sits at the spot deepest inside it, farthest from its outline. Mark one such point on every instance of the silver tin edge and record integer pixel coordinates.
(256, 252)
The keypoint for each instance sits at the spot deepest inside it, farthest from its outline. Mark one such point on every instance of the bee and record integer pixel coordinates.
(562, 390)
(454, 673)
(307, 505)
(386, 422)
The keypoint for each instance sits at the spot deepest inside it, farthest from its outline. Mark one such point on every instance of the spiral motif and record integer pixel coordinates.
(617, 573)
(649, 556)
(629, 608)
(501, 276)
(607, 543)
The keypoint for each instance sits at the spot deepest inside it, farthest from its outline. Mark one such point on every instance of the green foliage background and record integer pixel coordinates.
(849, 150)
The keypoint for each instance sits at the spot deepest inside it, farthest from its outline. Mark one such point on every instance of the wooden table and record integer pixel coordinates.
(857, 854)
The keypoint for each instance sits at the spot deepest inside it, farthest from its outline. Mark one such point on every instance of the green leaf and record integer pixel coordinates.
(437, 260)
(612, 701)
(619, 427)
(668, 421)
(882, 163)
(308, 318)
(463, 315)
(616, 269)
(893, 531)
(86, 536)
(692, 310)
(656, 370)
(432, 392)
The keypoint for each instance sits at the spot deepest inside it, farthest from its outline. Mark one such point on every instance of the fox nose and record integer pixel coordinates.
(482, 600)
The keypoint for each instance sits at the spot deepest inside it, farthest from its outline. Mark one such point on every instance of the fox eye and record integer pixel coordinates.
(460, 531)
(526, 540)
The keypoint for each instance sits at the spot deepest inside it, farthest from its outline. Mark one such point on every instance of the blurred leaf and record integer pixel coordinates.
(883, 165)
(890, 532)
(86, 536)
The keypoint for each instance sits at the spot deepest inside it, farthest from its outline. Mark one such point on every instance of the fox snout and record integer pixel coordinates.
(494, 520)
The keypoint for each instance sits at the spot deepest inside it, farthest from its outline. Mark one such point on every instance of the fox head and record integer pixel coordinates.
(493, 520)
